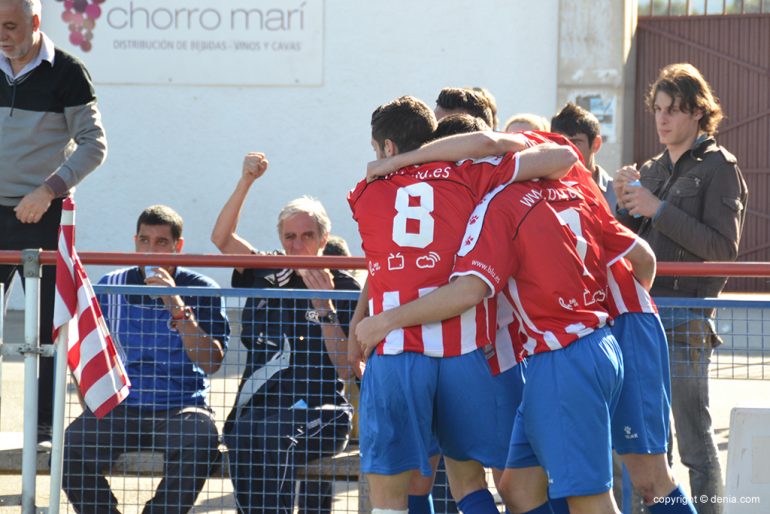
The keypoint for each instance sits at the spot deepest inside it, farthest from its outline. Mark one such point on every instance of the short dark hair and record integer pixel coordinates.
(491, 102)
(406, 121)
(573, 120)
(466, 100)
(161, 215)
(459, 124)
(684, 81)
(336, 245)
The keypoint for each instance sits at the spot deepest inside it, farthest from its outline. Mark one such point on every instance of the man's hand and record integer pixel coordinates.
(623, 176)
(640, 201)
(380, 168)
(370, 331)
(162, 277)
(318, 279)
(254, 166)
(34, 204)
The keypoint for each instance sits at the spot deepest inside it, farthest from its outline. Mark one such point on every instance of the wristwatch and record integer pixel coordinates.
(329, 318)
(180, 313)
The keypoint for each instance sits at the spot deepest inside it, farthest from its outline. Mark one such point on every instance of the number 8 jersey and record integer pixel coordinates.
(412, 224)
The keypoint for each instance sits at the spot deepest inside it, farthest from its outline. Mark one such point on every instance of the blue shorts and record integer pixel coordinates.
(396, 413)
(641, 422)
(475, 410)
(563, 422)
(410, 401)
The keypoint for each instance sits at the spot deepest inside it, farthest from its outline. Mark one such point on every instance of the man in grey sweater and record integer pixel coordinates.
(51, 137)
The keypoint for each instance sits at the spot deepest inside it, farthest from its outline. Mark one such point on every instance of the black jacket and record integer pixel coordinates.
(267, 323)
(701, 219)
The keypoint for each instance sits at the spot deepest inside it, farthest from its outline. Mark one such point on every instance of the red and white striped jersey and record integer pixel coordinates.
(626, 293)
(411, 225)
(544, 246)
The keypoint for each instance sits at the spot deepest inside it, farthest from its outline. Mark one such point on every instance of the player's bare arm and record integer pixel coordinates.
(453, 148)
(548, 160)
(356, 357)
(224, 235)
(642, 260)
(445, 302)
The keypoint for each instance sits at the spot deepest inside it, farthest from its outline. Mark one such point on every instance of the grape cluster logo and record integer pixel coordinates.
(81, 16)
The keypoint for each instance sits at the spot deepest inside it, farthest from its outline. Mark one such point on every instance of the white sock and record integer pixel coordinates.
(389, 511)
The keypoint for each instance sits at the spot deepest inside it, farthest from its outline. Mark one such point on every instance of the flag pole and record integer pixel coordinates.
(31, 260)
(57, 443)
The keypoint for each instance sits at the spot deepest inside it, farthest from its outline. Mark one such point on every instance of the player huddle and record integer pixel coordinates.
(505, 306)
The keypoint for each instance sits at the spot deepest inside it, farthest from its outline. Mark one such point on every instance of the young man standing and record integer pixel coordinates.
(691, 207)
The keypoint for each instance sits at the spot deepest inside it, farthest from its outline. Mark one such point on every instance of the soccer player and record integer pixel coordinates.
(411, 225)
(640, 424)
(463, 100)
(545, 238)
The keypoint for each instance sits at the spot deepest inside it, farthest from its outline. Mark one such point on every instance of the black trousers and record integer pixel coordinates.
(15, 235)
(187, 437)
(267, 446)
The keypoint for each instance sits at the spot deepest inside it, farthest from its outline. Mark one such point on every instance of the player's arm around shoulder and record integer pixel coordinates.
(547, 160)
(474, 145)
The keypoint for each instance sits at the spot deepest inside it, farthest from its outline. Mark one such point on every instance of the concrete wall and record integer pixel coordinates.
(596, 60)
(183, 145)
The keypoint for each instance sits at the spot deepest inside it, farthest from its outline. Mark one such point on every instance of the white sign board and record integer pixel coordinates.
(193, 42)
(604, 108)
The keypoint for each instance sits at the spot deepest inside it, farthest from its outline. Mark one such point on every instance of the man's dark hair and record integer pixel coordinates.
(684, 81)
(336, 245)
(466, 100)
(459, 124)
(161, 215)
(406, 121)
(491, 102)
(573, 120)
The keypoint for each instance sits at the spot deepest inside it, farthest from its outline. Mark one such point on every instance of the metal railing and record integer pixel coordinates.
(743, 324)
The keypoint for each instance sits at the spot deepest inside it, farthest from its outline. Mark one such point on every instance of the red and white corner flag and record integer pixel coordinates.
(91, 353)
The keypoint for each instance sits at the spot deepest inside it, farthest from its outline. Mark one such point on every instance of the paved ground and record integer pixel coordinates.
(726, 394)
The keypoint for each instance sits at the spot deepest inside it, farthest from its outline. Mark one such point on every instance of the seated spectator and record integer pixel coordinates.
(527, 121)
(291, 406)
(170, 344)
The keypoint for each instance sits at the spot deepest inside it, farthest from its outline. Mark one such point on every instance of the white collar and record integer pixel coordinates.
(46, 53)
